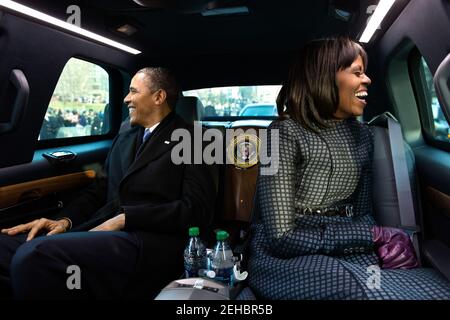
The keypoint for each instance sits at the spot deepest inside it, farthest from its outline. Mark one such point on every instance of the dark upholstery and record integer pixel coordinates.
(190, 109)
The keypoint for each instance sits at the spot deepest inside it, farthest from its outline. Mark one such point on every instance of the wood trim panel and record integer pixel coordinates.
(239, 190)
(239, 187)
(13, 194)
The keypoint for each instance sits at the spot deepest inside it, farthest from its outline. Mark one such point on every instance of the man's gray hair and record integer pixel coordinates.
(162, 78)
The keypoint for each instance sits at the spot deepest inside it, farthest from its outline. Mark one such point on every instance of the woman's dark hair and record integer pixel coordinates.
(310, 94)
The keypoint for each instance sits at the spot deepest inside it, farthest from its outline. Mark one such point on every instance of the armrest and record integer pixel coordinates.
(438, 253)
(194, 289)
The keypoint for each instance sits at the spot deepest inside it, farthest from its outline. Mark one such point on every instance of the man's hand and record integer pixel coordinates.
(114, 224)
(53, 226)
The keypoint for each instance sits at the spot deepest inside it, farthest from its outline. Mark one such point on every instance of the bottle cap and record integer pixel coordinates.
(194, 231)
(222, 235)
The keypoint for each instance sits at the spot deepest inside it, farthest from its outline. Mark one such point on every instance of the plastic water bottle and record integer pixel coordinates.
(194, 255)
(221, 259)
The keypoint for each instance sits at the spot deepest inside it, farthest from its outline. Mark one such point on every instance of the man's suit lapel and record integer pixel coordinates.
(128, 146)
(159, 143)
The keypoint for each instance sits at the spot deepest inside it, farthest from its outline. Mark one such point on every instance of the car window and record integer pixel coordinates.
(440, 127)
(259, 110)
(79, 104)
(252, 101)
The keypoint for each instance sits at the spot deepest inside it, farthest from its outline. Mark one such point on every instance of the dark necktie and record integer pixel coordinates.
(147, 134)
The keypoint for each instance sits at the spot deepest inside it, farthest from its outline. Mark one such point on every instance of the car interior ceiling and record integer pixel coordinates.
(251, 49)
(212, 51)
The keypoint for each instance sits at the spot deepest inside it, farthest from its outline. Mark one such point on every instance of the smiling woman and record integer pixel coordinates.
(352, 83)
(324, 87)
(316, 222)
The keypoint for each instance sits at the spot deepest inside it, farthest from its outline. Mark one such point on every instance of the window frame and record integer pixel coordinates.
(425, 110)
(115, 82)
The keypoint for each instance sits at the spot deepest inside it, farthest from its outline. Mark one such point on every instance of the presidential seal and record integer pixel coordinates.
(243, 151)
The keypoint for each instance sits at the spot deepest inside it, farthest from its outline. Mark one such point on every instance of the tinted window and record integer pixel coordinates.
(243, 101)
(440, 127)
(79, 103)
(259, 110)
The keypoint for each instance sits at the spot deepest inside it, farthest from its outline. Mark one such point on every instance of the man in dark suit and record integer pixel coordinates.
(138, 212)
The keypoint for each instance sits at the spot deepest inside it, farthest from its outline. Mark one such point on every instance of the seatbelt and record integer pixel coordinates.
(402, 182)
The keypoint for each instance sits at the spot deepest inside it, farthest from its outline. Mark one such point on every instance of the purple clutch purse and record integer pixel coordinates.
(394, 248)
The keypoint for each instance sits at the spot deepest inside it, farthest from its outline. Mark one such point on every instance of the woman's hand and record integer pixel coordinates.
(53, 226)
(394, 248)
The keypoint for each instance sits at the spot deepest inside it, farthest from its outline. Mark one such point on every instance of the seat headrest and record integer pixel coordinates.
(190, 109)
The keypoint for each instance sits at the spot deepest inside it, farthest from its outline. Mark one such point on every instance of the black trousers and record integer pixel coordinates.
(49, 267)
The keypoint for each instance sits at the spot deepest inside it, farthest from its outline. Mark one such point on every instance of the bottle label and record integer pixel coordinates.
(193, 264)
(224, 275)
